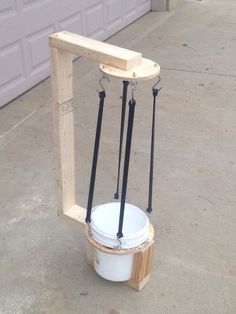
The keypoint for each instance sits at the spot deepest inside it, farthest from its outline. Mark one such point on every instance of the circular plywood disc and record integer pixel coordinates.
(146, 70)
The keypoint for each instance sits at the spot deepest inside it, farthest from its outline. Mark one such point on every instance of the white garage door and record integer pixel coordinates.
(26, 24)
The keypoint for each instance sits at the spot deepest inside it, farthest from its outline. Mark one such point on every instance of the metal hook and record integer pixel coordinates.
(133, 87)
(119, 245)
(104, 77)
(158, 81)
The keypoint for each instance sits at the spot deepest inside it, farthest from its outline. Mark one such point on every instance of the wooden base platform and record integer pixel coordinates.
(143, 256)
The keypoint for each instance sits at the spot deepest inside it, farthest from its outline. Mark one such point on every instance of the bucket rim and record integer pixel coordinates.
(126, 236)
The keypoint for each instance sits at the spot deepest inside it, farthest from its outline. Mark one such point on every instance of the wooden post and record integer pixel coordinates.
(63, 120)
(141, 268)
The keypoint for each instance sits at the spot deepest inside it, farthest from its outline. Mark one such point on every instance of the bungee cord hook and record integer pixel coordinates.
(103, 78)
(155, 85)
(133, 88)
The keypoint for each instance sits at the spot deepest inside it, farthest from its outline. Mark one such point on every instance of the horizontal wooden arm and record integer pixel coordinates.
(117, 57)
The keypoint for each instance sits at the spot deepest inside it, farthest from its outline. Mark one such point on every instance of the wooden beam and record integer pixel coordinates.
(117, 57)
(141, 268)
(76, 213)
(63, 125)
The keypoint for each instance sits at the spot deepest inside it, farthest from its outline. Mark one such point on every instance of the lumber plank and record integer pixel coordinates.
(89, 253)
(76, 213)
(141, 268)
(63, 126)
(115, 56)
(137, 285)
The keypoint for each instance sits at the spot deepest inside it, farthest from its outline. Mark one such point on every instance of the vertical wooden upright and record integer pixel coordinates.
(142, 268)
(63, 119)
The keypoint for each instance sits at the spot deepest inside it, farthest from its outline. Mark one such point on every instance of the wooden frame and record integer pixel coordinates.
(63, 46)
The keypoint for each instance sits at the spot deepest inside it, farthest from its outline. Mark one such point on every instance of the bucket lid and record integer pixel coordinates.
(105, 221)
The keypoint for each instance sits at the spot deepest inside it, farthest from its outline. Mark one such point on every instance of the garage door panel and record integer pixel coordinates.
(11, 67)
(26, 24)
(144, 4)
(114, 11)
(130, 6)
(134, 14)
(39, 42)
(34, 4)
(73, 23)
(7, 8)
(94, 20)
(64, 9)
(90, 3)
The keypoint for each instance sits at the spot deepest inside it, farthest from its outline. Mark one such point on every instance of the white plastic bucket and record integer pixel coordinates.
(104, 227)
(113, 267)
